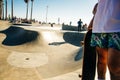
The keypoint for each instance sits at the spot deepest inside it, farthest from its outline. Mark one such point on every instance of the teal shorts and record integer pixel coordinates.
(106, 40)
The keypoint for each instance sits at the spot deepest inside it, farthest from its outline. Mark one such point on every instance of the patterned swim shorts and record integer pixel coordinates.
(106, 40)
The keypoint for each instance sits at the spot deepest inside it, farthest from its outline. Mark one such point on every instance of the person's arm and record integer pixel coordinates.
(90, 24)
(95, 9)
(94, 12)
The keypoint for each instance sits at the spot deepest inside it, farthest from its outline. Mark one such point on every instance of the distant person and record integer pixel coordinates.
(106, 36)
(79, 25)
(51, 24)
(70, 23)
(84, 27)
(63, 24)
(39, 22)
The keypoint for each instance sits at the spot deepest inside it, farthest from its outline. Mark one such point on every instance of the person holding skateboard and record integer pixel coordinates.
(102, 58)
(106, 37)
(89, 58)
(90, 61)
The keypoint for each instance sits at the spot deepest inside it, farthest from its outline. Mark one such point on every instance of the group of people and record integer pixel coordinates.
(105, 26)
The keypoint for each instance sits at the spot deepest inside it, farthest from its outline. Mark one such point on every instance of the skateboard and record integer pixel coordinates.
(89, 59)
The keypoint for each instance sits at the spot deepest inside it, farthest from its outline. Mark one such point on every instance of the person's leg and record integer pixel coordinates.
(100, 40)
(78, 28)
(114, 55)
(102, 62)
(114, 63)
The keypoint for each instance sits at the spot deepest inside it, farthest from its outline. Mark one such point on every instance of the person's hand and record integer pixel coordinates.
(89, 28)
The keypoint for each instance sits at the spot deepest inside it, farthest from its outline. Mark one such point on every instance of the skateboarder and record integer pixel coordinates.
(89, 58)
(106, 37)
(102, 58)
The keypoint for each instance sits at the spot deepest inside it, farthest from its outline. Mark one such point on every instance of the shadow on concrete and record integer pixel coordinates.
(79, 54)
(57, 43)
(73, 38)
(17, 36)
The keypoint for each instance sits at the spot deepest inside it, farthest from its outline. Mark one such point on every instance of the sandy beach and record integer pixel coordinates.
(49, 56)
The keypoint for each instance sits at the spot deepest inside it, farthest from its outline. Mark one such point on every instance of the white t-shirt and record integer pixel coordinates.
(107, 18)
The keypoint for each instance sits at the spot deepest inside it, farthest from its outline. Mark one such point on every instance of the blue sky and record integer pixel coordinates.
(65, 10)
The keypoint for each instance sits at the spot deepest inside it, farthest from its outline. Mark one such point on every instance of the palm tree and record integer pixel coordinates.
(31, 9)
(1, 9)
(6, 9)
(11, 9)
(26, 1)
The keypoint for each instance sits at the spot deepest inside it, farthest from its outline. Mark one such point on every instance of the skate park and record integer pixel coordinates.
(43, 52)
(50, 55)
(40, 53)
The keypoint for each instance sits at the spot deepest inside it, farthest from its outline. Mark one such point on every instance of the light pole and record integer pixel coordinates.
(46, 13)
(58, 20)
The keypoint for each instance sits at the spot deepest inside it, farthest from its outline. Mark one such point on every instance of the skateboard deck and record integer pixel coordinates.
(89, 59)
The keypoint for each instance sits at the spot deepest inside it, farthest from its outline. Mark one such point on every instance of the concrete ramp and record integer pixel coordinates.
(43, 53)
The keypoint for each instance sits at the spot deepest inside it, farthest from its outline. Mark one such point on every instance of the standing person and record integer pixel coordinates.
(89, 58)
(106, 36)
(70, 23)
(84, 27)
(79, 25)
(102, 57)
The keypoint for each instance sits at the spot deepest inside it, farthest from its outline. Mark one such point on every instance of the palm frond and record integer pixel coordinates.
(26, 1)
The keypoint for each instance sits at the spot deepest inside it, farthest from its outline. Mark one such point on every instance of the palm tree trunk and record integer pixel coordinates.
(31, 10)
(27, 2)
(27, 12)
(6, 10)
(3, 10)
(0, 9)
(11, 9)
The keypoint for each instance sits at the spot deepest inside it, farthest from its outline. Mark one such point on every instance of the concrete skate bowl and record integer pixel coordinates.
(35, 54)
